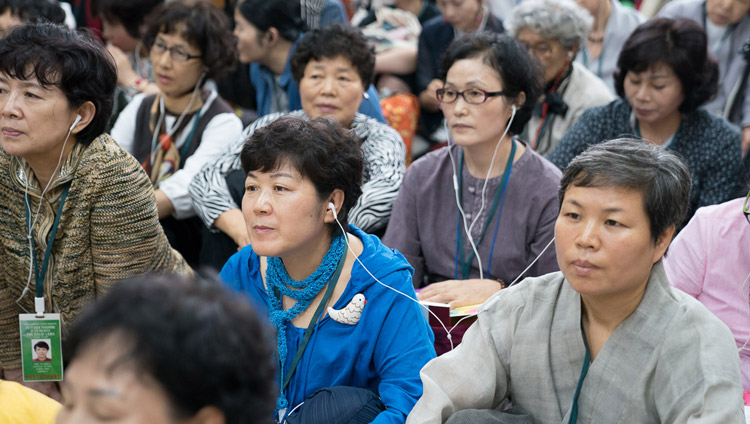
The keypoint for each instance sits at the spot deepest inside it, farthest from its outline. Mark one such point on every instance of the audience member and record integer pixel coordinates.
(613, 23)
(66, 188)
(708, 261)
(123, 25)
(496, 193)
(16, 12)
(606, 340)
(175, 133)
(303, 178)
(458, 17)
(332, 66)
(267, 35)
(728, 28)
(164, 349)
(664, 75)
(554, 30)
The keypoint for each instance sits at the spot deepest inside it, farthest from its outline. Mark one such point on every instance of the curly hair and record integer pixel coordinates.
(561, 20)
(332, 41)
(203, 25)
(34, 10)
(185, 336)
(517, 70)
(319, 149)
(678, 43)
(71, 61)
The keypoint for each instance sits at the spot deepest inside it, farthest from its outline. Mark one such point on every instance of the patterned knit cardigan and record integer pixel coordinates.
(109, 230)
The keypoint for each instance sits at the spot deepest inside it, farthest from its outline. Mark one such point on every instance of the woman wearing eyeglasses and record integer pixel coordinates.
(174, 133)
(709, 261)
(506, 191)
(554, 31)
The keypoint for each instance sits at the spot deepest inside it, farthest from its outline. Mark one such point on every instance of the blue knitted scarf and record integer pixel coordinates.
(279, 281)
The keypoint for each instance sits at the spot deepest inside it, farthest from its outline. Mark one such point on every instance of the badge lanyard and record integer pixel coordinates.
(39, 276)
(584, 370)
(497, 205)
(284, 380)
(584, 50)
(41, 347)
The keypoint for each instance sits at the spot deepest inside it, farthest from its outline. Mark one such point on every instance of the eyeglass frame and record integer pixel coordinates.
(440, 92)
(160, 45)
(745, 209)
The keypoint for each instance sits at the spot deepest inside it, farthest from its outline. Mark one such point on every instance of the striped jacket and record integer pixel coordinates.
(385, 163)
(109, 230)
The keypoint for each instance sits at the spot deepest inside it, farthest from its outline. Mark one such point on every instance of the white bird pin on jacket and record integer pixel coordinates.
(351, 313)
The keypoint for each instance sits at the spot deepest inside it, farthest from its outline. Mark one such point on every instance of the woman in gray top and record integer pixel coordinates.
(471, 217)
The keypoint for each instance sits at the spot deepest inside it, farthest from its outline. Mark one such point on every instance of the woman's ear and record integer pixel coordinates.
(87, 112)
(337, 198)
(662, 243)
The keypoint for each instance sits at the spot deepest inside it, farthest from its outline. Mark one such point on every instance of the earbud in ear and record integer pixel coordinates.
(332, 208)
(365, 95)
(513, 109)
(77, 120)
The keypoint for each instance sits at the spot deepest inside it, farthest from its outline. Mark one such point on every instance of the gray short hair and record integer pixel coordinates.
(562, 20)
(658, 173)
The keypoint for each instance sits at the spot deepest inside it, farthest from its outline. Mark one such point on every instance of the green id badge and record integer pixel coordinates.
(41, 353)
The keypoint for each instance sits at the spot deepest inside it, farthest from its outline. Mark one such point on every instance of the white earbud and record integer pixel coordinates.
(332, 208)
(365, 95)
(513, 109)
(78, 119)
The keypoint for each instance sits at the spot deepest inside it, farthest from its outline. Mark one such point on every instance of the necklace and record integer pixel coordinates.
(278, 283)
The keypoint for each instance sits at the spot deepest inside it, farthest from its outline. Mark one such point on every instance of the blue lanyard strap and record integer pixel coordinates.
(497, 205)
(39, 277)
(584, 371)
(285, 379)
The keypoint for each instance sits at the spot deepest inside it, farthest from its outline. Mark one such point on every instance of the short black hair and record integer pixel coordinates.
(69, 60)
(319, 149)
(34, 10)
(284, 15)
(662, 178)
(203, 25)
(41, 344)
(186, 335)
(330, 42)
(131, 14)
(679, 43)
(517, 69)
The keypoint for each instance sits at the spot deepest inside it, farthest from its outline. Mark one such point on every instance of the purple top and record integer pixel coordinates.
(709, 261)
(423, 222)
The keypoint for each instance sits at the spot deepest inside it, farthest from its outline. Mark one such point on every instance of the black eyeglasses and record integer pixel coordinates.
(472, 96)
(745, 209)
(175, 53)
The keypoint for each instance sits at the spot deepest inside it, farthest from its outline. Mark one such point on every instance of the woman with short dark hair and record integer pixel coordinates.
(65, 184)
(471, 217)
(664, 76)
(162, 349)
(332, 66)
(173, 134)
(268, 33)
(606, 339)
(336, 295)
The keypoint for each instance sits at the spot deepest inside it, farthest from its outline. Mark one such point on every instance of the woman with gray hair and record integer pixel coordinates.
(553, 30)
